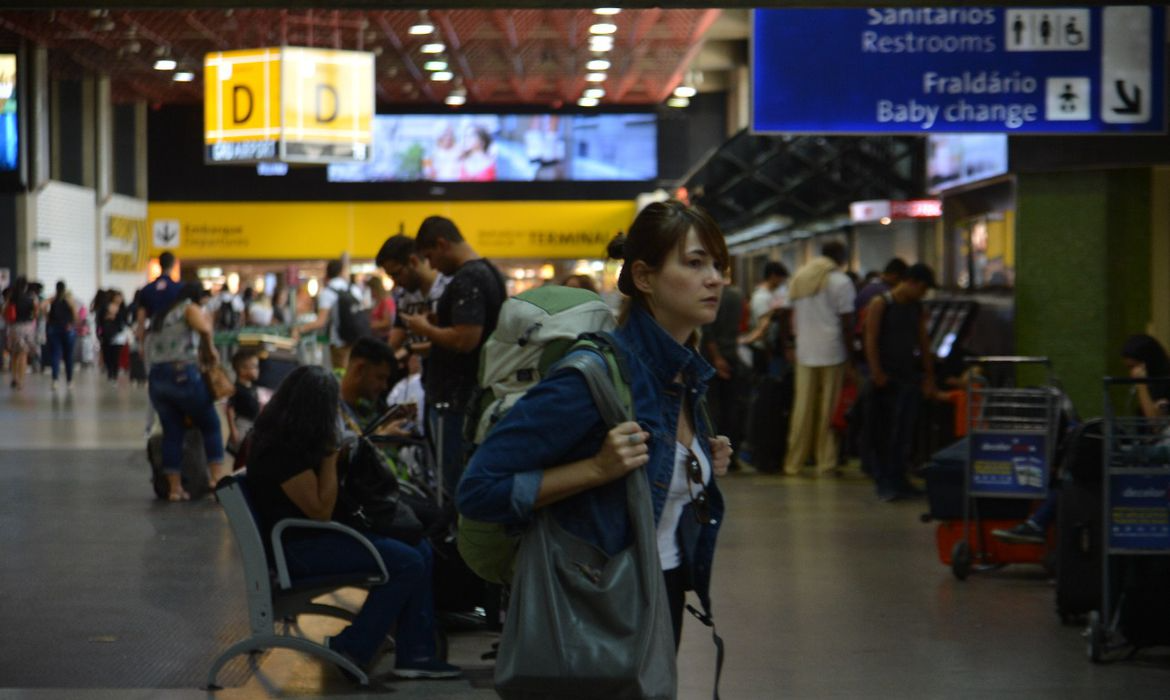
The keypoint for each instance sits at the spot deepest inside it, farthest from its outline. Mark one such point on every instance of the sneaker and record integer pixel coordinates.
(1026, 532)
(429, 670)
(54, 385)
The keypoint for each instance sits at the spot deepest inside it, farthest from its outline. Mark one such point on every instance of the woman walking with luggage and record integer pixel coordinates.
(22, 309)
(61, 334)
(176, 348)
(553, 449)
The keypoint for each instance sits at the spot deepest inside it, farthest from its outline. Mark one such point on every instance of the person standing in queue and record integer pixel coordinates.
(897, 350)
(553, 449)
(466, 316)
(337, 284)
(822, 298)
(417, 290)
(61, 333)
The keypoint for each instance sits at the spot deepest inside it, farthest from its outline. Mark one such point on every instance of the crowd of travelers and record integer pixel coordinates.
(711, 379)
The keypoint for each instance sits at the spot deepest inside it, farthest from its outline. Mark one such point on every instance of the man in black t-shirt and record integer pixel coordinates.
(466, 316)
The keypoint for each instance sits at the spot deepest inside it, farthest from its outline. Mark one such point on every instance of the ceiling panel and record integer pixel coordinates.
(499, 56)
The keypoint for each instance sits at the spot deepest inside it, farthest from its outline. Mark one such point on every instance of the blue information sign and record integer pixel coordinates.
(959, 69)
(1009, 464)
(1139, 512)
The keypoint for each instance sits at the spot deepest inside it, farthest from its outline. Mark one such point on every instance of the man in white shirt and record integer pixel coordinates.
(337, 274)
(822, 297)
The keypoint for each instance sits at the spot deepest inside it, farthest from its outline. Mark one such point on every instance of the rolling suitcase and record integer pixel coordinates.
(194, 470)
(1079, 523)
(137, 367)
(1078, 550)
(768, 423)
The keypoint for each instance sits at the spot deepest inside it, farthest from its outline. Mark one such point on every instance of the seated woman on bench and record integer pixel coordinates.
(292, 473)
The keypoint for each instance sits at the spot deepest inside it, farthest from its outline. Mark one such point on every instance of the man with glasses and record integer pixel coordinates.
(417, 289)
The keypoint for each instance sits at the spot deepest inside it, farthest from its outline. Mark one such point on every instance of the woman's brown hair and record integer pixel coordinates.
(658, 230)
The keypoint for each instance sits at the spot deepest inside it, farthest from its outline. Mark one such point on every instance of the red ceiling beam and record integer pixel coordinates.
(396, 43)
(696, 44)
(192, 20)
(505, 21)
(637, 46)
(455, 51)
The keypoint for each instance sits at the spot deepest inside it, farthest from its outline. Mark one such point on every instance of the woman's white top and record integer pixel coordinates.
(677, 498)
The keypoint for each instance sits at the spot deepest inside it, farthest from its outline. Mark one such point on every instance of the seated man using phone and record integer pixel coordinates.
(366, 381)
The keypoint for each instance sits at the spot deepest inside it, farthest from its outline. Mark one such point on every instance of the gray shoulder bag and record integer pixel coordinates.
(582, 624)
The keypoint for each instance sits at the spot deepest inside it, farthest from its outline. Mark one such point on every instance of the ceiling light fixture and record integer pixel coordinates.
(166, 64)
(596, 93)
(437, 64)
(678, 102)
(588, 102)
(184, 77)
(423, 26)
(601, 43)
(434, 47)
(442, 76)
(686, 91)
(595, 77)
(603, 28)
(455, 100)
(598, 64)
(607, 11)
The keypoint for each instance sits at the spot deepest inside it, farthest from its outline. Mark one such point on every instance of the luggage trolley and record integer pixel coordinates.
(1012, 434)
(1136, 507)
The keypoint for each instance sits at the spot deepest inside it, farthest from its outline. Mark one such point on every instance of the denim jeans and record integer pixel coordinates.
(61, 343)
(406, 599)
(177, 392)
(448, 423)
(890, 417)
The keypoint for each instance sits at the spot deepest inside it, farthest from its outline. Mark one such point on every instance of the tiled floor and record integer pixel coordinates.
(820, 591)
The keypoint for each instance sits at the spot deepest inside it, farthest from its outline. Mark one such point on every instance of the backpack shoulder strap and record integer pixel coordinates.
(609, 386)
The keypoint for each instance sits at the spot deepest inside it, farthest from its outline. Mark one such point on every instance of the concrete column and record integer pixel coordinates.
(38, 119)
(140, 152)
(88, 131)
(104, 139)
(739, 95)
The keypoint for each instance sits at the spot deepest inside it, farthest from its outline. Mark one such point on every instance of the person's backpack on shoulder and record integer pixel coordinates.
(535, 330)
(227, 317)
(353, 322)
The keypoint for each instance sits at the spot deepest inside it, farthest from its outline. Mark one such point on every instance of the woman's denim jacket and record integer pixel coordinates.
(556, 423)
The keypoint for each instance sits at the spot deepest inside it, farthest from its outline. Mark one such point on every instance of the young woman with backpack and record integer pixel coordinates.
(61, 334)
(553, 449)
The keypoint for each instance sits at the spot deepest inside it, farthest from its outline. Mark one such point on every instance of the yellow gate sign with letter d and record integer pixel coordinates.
(288, 104)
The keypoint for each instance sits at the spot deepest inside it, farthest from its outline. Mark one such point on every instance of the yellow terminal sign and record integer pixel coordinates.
(288, 104)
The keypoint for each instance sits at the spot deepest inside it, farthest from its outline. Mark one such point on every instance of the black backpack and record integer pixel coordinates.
(352, 322)
(227, 317)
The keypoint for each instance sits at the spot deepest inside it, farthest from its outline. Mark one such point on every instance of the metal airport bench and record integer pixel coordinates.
(273, 597)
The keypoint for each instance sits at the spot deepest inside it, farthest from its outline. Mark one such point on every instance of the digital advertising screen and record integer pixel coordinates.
(960, 159)
(9, 120)
(508, 148)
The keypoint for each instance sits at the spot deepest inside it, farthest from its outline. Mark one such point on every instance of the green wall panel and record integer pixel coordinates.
(1082, 242)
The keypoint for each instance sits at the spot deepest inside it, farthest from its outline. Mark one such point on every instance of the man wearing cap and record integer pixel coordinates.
(897, 350)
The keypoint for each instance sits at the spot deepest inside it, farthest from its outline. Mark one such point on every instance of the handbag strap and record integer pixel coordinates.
(605, 388)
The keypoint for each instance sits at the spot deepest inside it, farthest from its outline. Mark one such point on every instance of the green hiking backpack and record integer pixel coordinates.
(535, 330)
